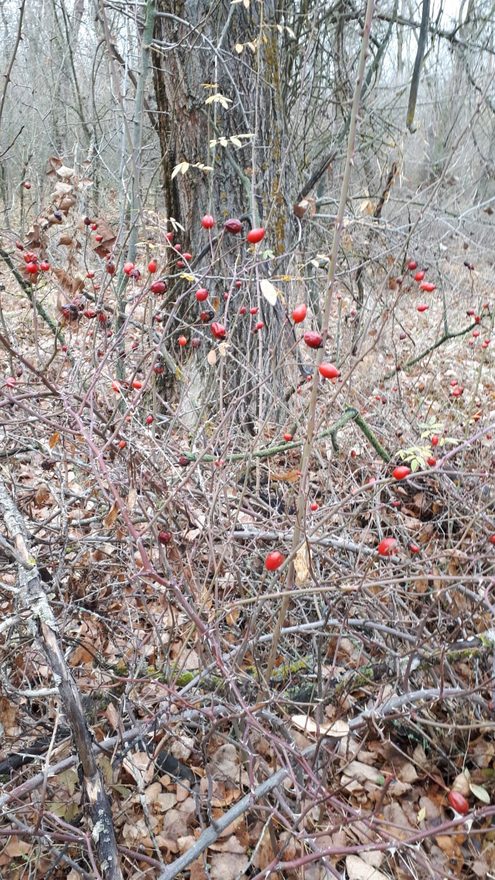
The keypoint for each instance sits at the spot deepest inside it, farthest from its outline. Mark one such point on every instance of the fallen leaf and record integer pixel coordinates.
(336, 729)
(228, 866)
(111, 516)
(288, 477)
(357, 869)
(224, 764)
(480, 793)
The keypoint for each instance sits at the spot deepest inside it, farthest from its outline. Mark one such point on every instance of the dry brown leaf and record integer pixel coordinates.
(175, 824)
(231, 844)
(197, 871)
(357, 869)
(140, 767)
(17, 848)
(71, 284)
(42, 496)
(112, 716)
(461, 783)
(81, 656)
(111, 516)
(291, 476)
(228, 866)
(395, 815)
(54, 439)
(65, 204)
(66, 239)
(224, 764)
(407, 773)
(61, 188)
(363, 773)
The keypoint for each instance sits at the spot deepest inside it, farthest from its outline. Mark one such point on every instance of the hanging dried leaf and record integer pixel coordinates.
(65, 172)
(109, 238)
(66, 240)
(66, 203)
(269, 291)
(301, 565)
(61, 188)
(70, 284)
(54, 163)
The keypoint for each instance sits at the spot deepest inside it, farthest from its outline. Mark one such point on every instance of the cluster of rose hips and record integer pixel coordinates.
(426, 286)
(33, 265)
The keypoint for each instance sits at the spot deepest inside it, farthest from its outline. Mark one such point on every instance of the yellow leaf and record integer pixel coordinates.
(301, 565)
(218, 98)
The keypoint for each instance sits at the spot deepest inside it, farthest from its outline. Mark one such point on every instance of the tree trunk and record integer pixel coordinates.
(217, 76)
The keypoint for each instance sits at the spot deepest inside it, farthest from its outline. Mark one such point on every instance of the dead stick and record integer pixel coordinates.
(44, 626)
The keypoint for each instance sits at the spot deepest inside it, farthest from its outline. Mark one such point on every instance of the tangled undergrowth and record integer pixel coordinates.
(149, 508)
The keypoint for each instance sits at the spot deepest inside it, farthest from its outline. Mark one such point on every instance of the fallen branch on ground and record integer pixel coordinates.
(44, 629)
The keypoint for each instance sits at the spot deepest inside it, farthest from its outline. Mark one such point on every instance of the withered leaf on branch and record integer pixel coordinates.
(305, 205)
(72, 284)
(103, 247)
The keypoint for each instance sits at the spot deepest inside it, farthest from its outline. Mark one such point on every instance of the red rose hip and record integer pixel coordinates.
(274, 560)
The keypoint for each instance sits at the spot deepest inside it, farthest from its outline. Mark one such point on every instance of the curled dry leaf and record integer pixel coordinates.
(461, 783)
(301, 565)
(111, 516)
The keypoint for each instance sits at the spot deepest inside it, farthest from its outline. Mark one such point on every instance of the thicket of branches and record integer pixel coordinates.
(247, 409)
